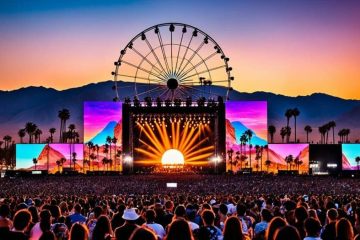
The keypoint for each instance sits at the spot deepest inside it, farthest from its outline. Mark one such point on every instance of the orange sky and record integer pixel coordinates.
(291, 49)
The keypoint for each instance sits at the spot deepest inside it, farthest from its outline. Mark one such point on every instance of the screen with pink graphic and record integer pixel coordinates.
(246, 134)
(288, 157)
(351, 156)
(102, 135)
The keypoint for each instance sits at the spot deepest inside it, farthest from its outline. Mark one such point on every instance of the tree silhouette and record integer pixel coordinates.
(249, 135)
(271, 130)
(64, 115)
(308, 130)
(295, 114)
(52, 131)
(289, 160)
(35, 161)
(21, 134)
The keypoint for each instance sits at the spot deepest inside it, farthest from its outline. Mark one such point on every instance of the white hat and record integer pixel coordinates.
(130, 214)
(212, 201)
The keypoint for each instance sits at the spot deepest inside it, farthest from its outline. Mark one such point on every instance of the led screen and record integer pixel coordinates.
(351, 153)
(289, 157)
(246, 134)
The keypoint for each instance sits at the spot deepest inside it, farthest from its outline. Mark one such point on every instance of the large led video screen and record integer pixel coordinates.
(163, 142)
(288, 157)
(351, 156)
(102, 135)
(246, 134)
(51, 157)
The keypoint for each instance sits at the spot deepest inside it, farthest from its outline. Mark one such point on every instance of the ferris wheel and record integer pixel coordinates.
(172, 61)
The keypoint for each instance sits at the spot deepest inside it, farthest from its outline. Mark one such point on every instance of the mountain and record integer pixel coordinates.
(108, 130)
(241, 128)
(41, 105)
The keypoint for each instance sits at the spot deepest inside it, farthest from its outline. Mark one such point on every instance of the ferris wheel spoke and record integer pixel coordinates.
(177, 58)
(151, 90)
(208, 70)
(143, 78)
(155, 56)
(198, 90)
(184, 56)
(165, 92)
(203, 61)
(143, 69)
(192, 56)
(186, 90)
(147, 60)
(163, 51)
(171, 46)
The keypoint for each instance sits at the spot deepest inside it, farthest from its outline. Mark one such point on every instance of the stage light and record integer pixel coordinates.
(128, 159)
(172, 157)
(216, 159)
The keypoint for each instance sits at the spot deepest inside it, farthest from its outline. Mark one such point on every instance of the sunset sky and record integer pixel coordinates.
(287, 47)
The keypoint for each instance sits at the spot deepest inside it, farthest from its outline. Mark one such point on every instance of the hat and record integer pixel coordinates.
(212, 201)
(130, 214)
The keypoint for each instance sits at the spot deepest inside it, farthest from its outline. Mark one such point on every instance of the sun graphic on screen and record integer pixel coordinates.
(172, 157)
(176, 143)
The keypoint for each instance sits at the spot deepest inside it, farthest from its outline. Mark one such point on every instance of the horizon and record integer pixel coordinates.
(302, 47)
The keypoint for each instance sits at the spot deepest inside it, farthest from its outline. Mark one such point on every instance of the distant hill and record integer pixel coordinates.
(41, 105)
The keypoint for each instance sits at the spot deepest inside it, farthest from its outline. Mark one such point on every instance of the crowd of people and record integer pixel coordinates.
(201, 207)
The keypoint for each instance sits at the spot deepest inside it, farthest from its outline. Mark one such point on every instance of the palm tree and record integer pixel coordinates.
(35, 161)
(249, 135)
(357, 160)
(7, 140)
(308, 130)
(52, 131)
(71, 134)
(267, 164)
(322, 131)
(64, 115)
(332, 125)
(30, 129)
(90, 146)
(295, 113)
(97, 148)
(58, 163)
(288, 134)
(37, 134)
(288, 115)
(230, 155)
(109, 141)
(74, 154)
(289, 159)
(114, 141)
(21, 134)
(271, 130)
(238, 158)
(283, 133)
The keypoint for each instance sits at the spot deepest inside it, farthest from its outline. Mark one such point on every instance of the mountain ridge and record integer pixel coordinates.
(41, 105)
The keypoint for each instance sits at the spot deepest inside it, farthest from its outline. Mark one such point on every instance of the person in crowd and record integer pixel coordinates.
(22, 220)
(102, 230)
(124, 232)
(117, 219)
(245, 220)
(150, 217)
(329, 230)
(275, 224)
(344, 230)
(233, 229)
(143, 233)
(5, 223)
(261, 227)
(93, 219)
(48, 235)
(209, 231)
(179, 229)
(301, 215)
(287, 232)
(222, 213)
(312, 229)
(43, 226)
(77, 216)
(79, 231)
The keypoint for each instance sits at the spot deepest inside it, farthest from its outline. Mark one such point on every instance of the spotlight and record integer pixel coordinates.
(128, 159)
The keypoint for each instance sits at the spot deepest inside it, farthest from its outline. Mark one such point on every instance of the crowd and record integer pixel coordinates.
(202, 207)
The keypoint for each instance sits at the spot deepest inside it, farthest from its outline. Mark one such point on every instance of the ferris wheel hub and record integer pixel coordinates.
(172, 83)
